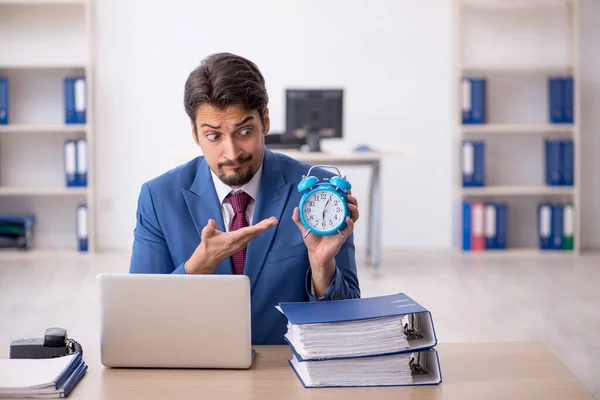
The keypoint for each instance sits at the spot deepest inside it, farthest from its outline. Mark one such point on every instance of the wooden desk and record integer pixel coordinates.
(470, 371)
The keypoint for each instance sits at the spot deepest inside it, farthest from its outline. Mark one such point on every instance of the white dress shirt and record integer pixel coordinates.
(252, 188)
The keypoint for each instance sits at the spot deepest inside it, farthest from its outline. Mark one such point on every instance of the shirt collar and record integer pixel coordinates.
(251, 187)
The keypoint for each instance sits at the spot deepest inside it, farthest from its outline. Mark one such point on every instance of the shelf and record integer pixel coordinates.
(549, 69)
(518, 252)
(516, 4)
(24, 128)
(42, 191)
(517, 190)
(16, 254)
(41, 66)
(42, 2)
(516, 128)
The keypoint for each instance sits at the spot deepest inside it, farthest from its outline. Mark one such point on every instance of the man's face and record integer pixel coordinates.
(232, 141)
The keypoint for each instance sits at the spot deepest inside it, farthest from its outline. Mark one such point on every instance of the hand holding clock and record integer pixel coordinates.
(323, 249)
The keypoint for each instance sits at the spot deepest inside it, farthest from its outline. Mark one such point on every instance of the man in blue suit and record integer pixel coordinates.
(234, 209)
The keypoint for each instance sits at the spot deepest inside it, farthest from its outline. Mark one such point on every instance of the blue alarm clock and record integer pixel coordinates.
(324, 208)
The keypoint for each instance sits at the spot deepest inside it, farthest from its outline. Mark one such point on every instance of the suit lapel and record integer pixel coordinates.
(203, 204)
(271, 201)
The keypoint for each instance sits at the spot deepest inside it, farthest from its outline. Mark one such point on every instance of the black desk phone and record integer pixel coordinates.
(54, 344)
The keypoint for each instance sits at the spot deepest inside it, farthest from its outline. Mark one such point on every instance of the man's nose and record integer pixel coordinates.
(232, 150)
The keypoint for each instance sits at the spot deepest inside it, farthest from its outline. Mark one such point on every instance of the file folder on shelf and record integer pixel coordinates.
(70, 162)
(3, 101)
(75, 100)
(474, 100)
(82, 228)
(82, 163)
(358, 327)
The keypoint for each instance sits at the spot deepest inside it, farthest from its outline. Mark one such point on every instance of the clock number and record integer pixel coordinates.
(336, 202)
(330, 222)
(323, 224)
(335, 216)
(312, 217)
(323, 196)
(308, 210)
(316, 198)
(338, 209)
(311, 203)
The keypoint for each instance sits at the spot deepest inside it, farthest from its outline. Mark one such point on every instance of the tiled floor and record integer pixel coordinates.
(552, 299)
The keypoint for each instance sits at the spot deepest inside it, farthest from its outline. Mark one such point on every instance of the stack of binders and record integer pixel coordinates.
(16, 232)
(377, 341)
(41, 378)
(485, 225)
(555, 226)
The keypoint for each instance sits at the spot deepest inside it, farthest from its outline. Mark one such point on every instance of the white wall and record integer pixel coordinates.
(392, 57)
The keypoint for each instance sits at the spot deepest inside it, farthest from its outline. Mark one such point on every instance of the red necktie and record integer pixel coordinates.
(239, 201)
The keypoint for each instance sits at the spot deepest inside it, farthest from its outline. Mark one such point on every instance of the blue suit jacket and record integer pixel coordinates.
(174, 208)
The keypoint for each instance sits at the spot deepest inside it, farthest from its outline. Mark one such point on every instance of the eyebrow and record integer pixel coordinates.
(237, 124)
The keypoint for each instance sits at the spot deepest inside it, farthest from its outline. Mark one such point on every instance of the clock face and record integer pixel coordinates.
(323, 210)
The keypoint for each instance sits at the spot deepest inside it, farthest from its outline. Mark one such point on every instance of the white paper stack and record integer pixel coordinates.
(389, 370)
(50, 377)
(348, 338)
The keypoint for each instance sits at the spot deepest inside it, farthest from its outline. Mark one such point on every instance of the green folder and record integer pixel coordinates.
(568, 236)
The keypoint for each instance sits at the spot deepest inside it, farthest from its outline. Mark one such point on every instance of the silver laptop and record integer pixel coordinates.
(175, 321)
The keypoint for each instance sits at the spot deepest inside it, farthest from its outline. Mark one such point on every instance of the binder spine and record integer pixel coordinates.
(553, 162)
(555, 100)
(69, 100)
(545, 225)
(82, 227)
(80, 100)
(557, 227)
(70, 162)
(466, 218)
(568, 239)
(568, 95)
(82, 164)
(567, 162)
(4, 101)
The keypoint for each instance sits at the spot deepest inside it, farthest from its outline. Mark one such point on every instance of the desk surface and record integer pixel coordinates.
(470, 371)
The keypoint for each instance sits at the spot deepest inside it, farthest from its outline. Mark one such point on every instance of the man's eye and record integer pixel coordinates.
(212, 136)
(245, 132)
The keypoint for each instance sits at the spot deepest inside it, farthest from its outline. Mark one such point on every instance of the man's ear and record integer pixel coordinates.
(267, 121)
(194, 132)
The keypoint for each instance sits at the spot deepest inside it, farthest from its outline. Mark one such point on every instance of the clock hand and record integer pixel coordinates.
(324, 208)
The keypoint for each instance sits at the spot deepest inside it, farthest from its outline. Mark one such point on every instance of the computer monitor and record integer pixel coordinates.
(314, 114)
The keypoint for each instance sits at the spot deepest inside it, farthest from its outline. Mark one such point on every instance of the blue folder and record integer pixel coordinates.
(3, 101)
(427, 361)
(327, 312)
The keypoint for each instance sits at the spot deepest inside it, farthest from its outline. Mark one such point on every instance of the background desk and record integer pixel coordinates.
(470, 371)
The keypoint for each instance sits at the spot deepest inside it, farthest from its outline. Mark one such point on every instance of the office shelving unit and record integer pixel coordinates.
(516, 45)
(41, 43)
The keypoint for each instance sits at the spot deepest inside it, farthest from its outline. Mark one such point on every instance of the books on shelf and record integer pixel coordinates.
(16, 231)
(378, 341)
(473, 163)
(474, 104)
(75, 101)
(561, 99)
(3, 101)
(555, 226)
(484, 226)
(75, 162)
(560, 162)
(41, 378)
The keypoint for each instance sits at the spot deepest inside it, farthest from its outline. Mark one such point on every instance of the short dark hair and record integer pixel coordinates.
(222, 80)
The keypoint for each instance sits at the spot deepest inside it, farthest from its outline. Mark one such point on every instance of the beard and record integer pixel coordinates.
(240, 175)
